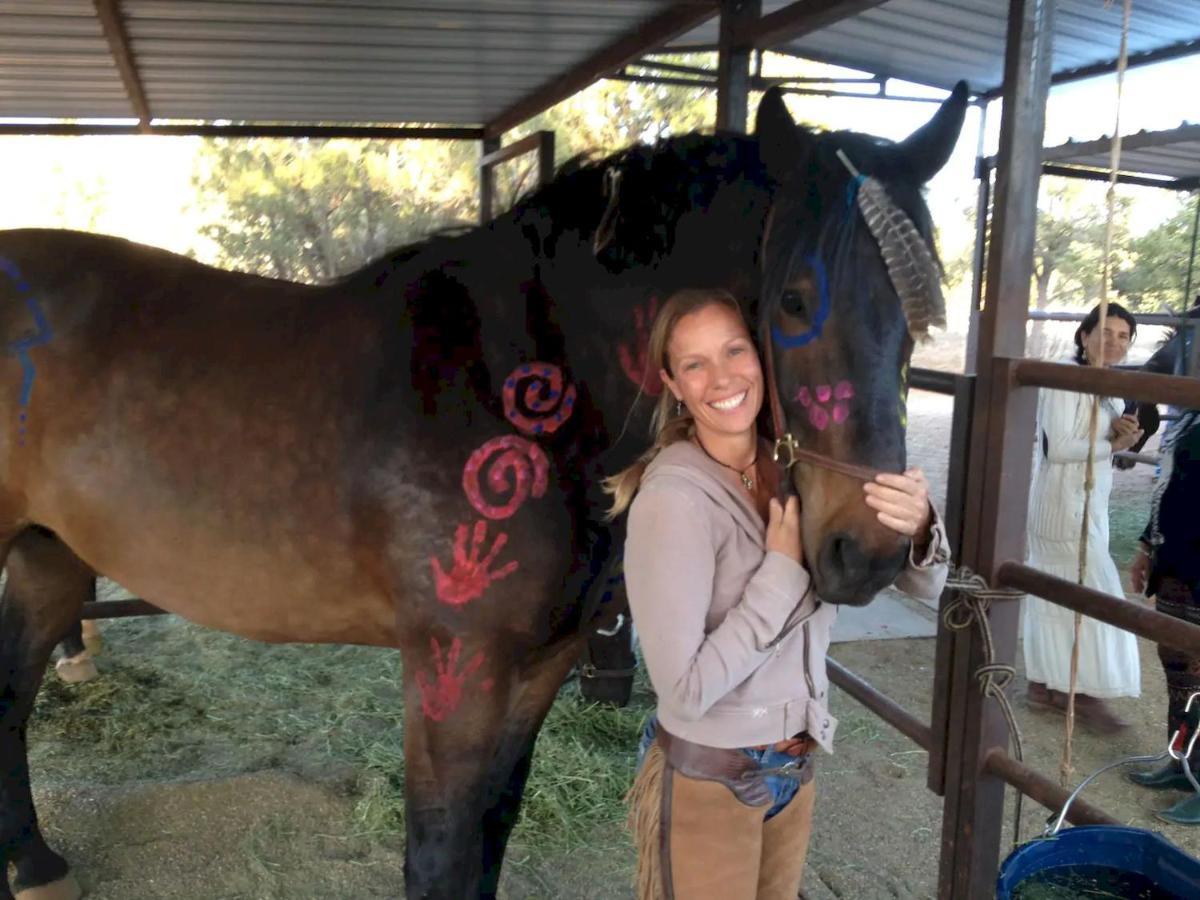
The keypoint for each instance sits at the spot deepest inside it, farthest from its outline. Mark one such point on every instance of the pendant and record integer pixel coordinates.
(747, 481)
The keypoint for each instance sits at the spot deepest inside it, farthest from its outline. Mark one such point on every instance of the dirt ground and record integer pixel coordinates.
(286, 828)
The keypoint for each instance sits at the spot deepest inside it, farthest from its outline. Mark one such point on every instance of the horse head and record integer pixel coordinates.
(849, 282)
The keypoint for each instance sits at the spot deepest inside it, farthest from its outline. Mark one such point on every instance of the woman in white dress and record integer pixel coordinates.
(1108, 656)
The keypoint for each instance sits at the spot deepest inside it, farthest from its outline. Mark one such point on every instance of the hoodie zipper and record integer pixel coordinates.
(812, 688)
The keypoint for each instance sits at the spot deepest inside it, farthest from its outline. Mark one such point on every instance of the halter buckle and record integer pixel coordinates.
(788, 443)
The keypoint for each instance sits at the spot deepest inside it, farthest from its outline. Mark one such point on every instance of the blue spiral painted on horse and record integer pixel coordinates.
(791, 341)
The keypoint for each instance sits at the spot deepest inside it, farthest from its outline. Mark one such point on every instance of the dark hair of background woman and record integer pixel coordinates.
(1093, 319)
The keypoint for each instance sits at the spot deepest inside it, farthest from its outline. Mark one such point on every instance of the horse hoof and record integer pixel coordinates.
(92, 640)
(76, 669)
(66, 888)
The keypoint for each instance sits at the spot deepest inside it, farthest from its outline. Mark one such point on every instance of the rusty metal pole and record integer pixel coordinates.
(733, 64)
(999, 463)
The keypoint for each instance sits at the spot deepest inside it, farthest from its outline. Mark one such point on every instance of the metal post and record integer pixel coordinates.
(733, 64)
(999, 462)
(1190, 337)
(979, 258)
(487, 179)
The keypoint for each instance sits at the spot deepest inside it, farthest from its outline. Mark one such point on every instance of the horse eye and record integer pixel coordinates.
(793, 303)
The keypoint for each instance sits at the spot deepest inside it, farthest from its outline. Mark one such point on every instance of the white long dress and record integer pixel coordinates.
(1108, 656)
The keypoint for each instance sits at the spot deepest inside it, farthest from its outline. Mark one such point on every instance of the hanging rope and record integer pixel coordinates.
(1066, 769)
(969, 605)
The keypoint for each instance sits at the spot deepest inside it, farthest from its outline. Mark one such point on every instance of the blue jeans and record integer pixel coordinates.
(782, 788)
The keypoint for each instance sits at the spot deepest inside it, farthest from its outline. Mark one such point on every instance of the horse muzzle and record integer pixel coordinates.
(846, 573)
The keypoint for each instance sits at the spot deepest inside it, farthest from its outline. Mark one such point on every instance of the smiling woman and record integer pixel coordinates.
(733, 633)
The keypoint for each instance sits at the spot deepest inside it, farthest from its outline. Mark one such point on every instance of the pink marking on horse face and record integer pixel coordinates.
(841, 412)
(818, 417)
(844, 391)
(803, 397)
(824, 392)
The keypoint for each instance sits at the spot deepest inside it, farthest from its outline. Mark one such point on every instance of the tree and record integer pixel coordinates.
(311, 210)
(1068, 256)
(1157, 273)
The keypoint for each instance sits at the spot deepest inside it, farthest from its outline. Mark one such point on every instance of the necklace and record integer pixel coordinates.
(747, 481)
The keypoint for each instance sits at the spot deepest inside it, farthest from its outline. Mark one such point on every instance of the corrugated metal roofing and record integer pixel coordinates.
(937, 42)
(1172, 154)
(464, 62)
(444, 61)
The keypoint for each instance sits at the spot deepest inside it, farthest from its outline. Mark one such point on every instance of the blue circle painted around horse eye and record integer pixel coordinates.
(790, 341)
(23, 286)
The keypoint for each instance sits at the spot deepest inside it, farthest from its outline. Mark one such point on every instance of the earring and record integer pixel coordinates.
(678, 408)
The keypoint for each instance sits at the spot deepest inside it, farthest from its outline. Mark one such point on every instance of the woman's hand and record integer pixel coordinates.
(1139, 572)
(901, 502)
(1125, 433)
(783, 528)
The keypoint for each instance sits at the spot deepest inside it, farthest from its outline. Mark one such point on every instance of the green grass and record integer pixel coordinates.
(177, 701)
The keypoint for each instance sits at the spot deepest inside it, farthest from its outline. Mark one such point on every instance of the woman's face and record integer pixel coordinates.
(1117, 337)
(717, 374)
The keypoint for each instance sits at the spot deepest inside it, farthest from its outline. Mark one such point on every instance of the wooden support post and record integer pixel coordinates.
(487, 179)
(999, 463)
(733, 63)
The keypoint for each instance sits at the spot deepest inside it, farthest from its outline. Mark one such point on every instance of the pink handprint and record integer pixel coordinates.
(441, 694)
(635, 359)
(470, 576)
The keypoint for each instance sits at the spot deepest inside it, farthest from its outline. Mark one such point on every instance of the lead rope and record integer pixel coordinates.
(970, 604)
(1066, 768)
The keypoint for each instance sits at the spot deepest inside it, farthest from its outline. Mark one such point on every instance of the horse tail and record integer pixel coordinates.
(644, 821)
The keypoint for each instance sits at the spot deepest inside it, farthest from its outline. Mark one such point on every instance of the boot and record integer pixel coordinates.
(1098, 715)
(1168, 778)
(1185, 812)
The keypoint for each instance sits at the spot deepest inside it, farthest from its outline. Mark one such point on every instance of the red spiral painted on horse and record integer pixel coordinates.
(544, 406)
(516, 468)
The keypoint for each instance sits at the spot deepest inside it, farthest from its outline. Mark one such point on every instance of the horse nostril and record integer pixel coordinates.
(840, 555)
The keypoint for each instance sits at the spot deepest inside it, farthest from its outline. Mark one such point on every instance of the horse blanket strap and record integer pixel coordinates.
(732, 768)
(787, 450)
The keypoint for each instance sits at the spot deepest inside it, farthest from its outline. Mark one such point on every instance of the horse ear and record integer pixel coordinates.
(781, 143)
(929, 147)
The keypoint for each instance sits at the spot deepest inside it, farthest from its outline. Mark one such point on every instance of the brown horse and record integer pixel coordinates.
(410, 457)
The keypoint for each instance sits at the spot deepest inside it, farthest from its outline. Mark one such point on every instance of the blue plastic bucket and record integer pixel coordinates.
(1128, 852)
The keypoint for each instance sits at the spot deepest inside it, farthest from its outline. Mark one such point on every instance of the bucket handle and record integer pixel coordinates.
(1055, 823)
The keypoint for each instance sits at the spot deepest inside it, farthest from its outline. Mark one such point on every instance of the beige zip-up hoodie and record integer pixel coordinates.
(709, 605)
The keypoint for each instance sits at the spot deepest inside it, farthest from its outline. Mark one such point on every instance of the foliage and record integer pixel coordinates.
(311, 210)
(1157, 273)
(1069, 253)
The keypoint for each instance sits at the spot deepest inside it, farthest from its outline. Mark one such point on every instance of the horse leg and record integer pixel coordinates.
(41, 600)
(537, 695)
(468, 738)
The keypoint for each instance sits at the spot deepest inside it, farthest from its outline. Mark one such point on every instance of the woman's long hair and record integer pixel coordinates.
(1092, 319)
(666, 426)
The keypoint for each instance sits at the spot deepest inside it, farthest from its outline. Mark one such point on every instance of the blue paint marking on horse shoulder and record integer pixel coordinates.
(42, 332)
(791, 341)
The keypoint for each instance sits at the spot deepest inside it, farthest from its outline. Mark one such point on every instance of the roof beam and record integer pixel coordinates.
(1140, 141)
(676, 20)
(801, 18)
(383, 132)
(109, 13)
